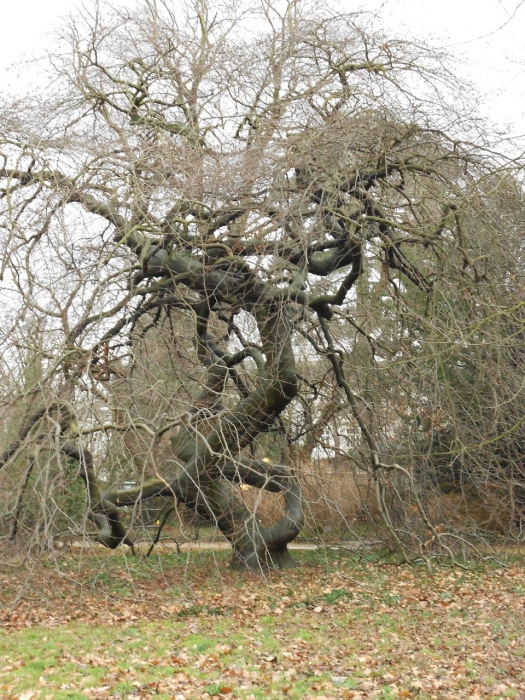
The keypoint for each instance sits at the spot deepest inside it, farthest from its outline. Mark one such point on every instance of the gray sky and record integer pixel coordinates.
(486, 35)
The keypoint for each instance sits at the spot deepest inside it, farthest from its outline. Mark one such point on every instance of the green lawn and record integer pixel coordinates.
(186, 627)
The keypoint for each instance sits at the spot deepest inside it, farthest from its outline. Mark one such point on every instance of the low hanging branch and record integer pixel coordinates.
(102, 512)
(111, 532)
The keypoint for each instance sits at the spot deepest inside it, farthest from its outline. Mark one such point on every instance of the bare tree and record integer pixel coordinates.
(260, 192)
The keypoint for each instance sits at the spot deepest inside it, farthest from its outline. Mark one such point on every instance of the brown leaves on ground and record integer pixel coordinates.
(342, 630)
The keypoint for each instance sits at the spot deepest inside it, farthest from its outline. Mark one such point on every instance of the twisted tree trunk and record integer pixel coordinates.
(208, 465)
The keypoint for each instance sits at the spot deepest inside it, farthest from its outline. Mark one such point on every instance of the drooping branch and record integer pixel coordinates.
(63, 419)
(103, 513)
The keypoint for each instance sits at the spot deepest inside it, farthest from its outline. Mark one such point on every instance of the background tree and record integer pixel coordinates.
(258, 191)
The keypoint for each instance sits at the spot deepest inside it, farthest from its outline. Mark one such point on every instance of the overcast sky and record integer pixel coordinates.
(486, 35)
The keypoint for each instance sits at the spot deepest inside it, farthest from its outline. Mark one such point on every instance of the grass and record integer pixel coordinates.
(184, 626)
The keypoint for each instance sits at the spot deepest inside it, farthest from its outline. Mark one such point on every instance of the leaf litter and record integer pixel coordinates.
(334, 630)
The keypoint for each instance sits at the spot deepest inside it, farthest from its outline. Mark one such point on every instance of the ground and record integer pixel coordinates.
(184, 626)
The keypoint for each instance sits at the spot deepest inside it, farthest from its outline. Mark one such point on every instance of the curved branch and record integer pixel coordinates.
(103, 513)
